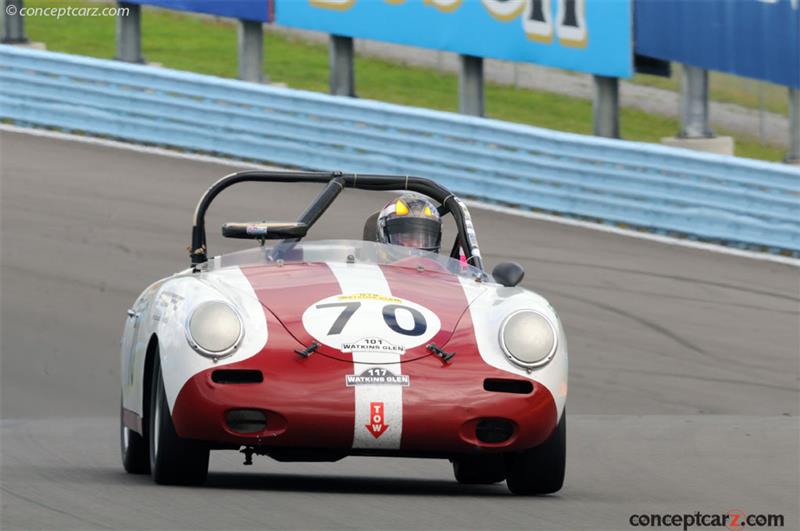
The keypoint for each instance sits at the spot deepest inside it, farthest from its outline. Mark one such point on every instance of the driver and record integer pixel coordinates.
(411, 220)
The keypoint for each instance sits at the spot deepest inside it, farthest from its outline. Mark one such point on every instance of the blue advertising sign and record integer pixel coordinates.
(751, 38)
(255, 10)
(587, 35)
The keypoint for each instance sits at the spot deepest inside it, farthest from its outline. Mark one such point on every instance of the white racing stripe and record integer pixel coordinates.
(373, 403)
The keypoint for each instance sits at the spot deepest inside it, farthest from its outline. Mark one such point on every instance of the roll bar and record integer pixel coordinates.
(335, 182)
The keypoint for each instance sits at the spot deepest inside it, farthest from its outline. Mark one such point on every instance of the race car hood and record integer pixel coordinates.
(391, 310)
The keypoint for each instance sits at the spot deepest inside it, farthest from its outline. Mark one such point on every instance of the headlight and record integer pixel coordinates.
(528, 338)
(214, 329)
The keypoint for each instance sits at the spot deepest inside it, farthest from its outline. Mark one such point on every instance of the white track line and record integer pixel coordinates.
(150, 150)
(667, 240)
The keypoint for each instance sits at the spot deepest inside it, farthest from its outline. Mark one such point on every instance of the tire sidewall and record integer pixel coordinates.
(159, 429)
(540, 470)
(173, 461)
(479, 470)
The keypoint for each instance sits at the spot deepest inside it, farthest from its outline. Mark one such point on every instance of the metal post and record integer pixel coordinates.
(694, 103)
(470, 86)
(605, 107)
(13, 23)
(793, 156)
(251, 51)
(129, 33)
(695, 132)
(341, 64)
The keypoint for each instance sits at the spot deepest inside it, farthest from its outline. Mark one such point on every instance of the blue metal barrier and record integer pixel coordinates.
(645, 185)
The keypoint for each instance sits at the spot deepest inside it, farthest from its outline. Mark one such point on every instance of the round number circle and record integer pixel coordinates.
(370, 322)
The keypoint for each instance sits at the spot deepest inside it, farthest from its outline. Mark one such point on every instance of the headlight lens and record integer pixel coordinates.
(214, 329)
(528, 338)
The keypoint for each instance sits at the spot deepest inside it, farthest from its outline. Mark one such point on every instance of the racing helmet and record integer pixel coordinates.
(411, 220)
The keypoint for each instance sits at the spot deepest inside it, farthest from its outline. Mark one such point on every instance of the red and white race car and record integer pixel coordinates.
(314, 351)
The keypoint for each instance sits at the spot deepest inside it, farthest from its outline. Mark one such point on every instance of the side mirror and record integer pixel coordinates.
(509, 274)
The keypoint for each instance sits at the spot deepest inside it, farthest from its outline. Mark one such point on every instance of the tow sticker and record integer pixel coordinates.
(377, 376)
(376, 425)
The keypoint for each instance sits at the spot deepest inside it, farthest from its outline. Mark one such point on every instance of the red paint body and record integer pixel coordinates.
(308, 404)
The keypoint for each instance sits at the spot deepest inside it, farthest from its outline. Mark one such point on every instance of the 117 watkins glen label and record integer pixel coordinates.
(377, 376)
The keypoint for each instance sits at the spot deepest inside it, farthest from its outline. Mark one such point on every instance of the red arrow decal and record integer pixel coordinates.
(376, 425)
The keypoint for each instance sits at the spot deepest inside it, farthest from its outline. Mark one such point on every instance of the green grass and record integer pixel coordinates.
(208, 45)
(729, 89)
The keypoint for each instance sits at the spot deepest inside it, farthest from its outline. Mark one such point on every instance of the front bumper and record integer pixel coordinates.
(440, 417)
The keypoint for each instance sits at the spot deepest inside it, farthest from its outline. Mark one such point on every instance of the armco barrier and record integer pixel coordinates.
(655, 187)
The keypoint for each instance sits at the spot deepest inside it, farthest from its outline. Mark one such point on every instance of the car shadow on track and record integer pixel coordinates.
(350, 485)
(110, 476)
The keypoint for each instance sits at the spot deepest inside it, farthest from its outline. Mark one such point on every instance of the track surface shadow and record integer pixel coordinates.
(350, 485)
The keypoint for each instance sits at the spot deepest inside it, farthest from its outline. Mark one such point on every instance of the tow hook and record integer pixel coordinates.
(248, 452)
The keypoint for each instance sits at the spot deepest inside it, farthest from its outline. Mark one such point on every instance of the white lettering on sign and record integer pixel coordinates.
(340, 5)
(537, 19)
(572, 23)
(504, 9)
(445, 6)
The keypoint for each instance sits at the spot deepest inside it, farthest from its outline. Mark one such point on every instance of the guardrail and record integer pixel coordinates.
(663, 189)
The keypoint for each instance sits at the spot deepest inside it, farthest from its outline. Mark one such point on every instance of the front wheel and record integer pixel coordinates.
(479, 470)
(539, 470)
(173, 461)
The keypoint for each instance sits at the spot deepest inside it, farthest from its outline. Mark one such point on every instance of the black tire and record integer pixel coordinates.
(135, 459)
(479, 470)
(539, 470)
(173, 461)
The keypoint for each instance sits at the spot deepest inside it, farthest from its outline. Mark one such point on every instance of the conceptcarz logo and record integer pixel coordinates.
(733, 520)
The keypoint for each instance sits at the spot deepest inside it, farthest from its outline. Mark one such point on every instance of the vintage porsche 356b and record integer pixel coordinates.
(317, 350)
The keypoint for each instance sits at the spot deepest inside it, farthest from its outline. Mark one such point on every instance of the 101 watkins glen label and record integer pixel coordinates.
(372, 344)
(377, 376)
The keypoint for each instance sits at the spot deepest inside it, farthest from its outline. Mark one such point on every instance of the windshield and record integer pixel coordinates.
(356, 251)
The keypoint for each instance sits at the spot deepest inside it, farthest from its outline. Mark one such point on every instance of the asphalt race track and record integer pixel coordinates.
(683, 383)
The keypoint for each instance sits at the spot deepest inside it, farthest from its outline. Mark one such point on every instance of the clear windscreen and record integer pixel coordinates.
(357, 251)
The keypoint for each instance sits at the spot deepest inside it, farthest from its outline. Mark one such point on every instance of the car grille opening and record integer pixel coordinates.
(500, 385)
(236, 376)
(246, 420)
(494, 430)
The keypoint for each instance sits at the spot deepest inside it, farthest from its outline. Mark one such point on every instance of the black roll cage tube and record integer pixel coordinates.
(335, 182)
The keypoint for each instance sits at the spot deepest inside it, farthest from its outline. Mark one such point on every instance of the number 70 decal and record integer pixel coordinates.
(340, 320)
(389, 313)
